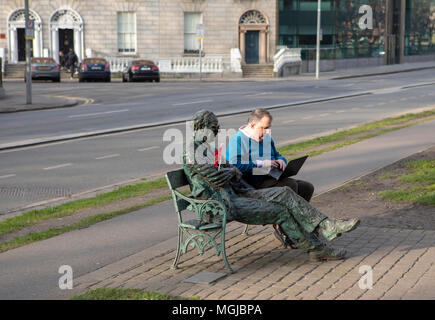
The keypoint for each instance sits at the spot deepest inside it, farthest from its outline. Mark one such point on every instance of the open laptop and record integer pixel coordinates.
(292, 169)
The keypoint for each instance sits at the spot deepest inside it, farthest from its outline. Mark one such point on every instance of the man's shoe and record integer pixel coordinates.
(332, 229)
(327, 253)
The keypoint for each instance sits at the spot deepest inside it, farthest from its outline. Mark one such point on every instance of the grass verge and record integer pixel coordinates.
(125, 294)
(376, 126)
(420, 184)
(84, 223)
(34, 216)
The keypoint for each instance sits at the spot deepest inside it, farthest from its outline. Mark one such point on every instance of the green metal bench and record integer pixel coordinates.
(199, 232)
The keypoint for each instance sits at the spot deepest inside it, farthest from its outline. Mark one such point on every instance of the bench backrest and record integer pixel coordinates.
(176, 179)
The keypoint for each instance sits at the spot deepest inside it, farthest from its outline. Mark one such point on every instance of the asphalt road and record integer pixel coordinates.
(42, 173)
(132, 104)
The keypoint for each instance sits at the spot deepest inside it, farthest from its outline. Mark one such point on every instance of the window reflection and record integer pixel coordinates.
(342, 37)
(420, 27)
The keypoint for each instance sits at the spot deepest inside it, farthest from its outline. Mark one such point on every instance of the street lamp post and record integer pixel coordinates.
(28, 44)
(318, 38)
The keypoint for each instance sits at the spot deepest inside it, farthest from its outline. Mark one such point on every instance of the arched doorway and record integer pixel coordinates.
(16, 27)
(254, 37)
(66, 31)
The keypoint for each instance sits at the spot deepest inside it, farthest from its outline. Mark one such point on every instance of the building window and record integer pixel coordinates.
(191, 20)
(126, 32)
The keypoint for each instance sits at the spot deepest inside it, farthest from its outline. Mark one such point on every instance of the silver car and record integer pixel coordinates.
(44, 68)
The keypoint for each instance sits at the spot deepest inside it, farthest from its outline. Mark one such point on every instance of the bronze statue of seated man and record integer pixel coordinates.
(298, 219)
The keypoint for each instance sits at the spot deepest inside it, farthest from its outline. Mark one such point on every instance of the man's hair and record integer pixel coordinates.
(259, 114)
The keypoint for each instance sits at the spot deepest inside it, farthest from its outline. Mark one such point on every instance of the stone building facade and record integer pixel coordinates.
(155, 28)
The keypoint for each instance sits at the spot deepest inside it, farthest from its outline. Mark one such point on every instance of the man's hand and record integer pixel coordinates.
(279, 164)
(282, 164)
(270, 163)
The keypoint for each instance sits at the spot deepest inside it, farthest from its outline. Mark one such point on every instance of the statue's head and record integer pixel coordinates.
(205, 126)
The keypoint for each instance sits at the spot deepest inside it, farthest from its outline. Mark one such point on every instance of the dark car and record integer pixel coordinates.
(94, 69)
(44, 69)
(141, 70)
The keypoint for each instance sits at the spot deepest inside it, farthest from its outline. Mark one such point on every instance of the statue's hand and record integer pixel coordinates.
(223, 178)
(208, 171)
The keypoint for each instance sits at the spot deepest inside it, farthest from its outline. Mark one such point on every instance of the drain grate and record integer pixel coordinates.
(33, 192)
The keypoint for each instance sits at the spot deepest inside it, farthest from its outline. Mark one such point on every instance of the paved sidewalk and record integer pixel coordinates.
(371, 71)
(402, 263)
(17, 103)
(337, 74)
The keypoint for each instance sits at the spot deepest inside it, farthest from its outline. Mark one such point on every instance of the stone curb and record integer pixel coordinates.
(25, 108)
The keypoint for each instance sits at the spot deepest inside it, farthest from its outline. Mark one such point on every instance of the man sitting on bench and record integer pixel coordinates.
(253, 147)
(300, 221)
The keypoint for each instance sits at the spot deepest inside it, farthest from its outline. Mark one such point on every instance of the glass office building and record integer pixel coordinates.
(400, 28)
(419, 27)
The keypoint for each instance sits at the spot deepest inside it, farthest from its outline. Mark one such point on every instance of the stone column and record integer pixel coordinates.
(242, 44)
(55, 44)
(37, 42)
(262, 41)
(78, 44)
(14, 45)
(267, 46)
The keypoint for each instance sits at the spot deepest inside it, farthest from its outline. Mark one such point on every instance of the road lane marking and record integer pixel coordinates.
(108, 156)
(306, 118)
(86, 101)
(148, 148)
(97, 113)
(7, 176)
(257, 94)
(289, 121)
(324, 114)
(191, 102)
(340, 111)
(381, 103)
(58, 166)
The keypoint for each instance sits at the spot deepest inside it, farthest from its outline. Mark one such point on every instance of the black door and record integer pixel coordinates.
(251, 46)
(66, 40)
(21, 44)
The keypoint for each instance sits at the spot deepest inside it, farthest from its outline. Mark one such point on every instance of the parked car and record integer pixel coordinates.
(94, 69)
(44, 68)
(141, 70)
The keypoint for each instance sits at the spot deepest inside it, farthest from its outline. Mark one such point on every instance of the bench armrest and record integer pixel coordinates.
(206, 210)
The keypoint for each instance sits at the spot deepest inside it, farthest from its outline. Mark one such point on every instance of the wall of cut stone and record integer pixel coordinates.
(160, 23)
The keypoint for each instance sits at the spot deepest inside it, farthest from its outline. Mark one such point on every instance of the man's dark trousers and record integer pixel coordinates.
(302, 188)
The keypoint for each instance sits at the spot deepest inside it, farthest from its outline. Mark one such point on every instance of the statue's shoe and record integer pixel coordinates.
(280, 237)
(332, 229)
(327, 253)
